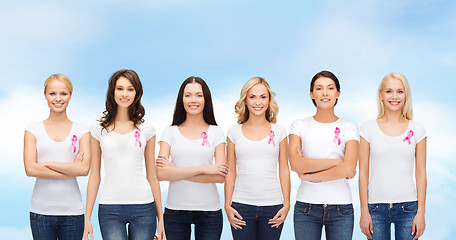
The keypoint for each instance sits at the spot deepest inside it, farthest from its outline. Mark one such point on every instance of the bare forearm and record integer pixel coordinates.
(207, 178)
(92, 190)
(72, 169)
(41, 171)
(338, 172)
(177, 173)
(308, 165)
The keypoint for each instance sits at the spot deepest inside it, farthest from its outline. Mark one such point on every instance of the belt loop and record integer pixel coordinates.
(391, 205)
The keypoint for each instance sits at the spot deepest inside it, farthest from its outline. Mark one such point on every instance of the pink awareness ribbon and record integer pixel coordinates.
(204, 137)
(409, 135)
(137, 139)
(74, 139)
(336, 136)
(271, 138)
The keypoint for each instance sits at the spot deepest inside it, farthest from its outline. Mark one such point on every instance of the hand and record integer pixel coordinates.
(162, 161)
(88, 229)
(161, 231)
(352, 175)
(79, 157)
(304, 177)
(218, 168)
(280, 217)
(365, 223)
(418, 225)
(234, 217)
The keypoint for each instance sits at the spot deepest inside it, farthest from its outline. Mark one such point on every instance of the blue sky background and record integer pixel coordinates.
(226, 43)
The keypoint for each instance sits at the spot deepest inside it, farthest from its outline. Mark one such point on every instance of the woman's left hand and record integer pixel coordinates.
(162, 161)
(280, 217)
(161, 231)
(418, 225)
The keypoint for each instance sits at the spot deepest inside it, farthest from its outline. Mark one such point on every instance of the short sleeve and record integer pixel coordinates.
(219, 136)
(282, 132)
(364, 131)
(166, 136)
(95, 130)
(148, 130)
(32, 128)
(351, 132)
(231, 133)
(295, 129)
(420, 131)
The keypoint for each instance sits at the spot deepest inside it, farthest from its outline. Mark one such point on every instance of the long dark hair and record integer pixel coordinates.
(326, 74)
(135, 110)
(180, 115)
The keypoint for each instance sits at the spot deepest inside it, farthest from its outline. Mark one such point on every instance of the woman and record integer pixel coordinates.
(187, 150)
(256, 146)
(393, 147)
(131, 191)
(56, 151)
(324, 153)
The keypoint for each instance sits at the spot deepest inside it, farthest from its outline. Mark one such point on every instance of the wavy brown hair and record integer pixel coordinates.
(135, 110)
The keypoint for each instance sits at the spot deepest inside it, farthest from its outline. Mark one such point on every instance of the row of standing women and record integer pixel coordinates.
(323, 150)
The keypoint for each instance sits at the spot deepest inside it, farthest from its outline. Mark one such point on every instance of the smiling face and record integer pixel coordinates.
(393, 94)
(257, 100)
(193, 99)
(124, 93)
(324, 93)
(57, 96)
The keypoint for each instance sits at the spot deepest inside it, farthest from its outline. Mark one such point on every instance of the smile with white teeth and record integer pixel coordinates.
(124, 99)
(394, 103)
(58, 104)
(193, 106)
(325, 100)
(257, 108)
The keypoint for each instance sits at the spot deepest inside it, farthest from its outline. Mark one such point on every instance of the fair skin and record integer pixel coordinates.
(393, 123)
(309, 169)
(257, 128)
(192, 128)
(58, 128)
(124, 95)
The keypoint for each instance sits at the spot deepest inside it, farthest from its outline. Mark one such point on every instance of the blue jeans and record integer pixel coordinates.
(50, 227)
(401, 214)
(256, 219)
(309, 220)
(141, 220)
(208, 224)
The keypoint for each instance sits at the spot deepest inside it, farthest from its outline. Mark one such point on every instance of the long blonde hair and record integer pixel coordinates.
(407, 108)
(61, 78)
(241, 109)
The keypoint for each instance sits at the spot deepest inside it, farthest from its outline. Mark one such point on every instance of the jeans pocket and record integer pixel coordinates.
(372, 207)
(345, 210)
(34, 217)
(213, 213)
(410, 207)
(302, 208)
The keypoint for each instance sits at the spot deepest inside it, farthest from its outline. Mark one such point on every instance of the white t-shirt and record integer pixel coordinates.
(392, 162)
(188, 195)
(321, 141)
(125, 179)
(55, 196)
(257, 181)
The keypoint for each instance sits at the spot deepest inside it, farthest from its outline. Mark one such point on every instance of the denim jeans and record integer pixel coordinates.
(309, 220)
(256, 219)
(141, 220)
(50, 227)
(208, 224)
(401, 214)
